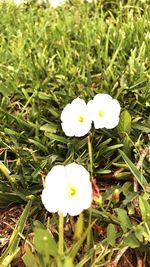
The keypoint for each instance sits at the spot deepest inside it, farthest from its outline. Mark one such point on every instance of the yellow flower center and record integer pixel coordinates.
(101, 114)
(72, 191)
(80, 118)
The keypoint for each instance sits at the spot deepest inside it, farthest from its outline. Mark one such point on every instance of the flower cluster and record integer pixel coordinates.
(19, 2)
(78, 116)
(56, 3)
(67, 189)
(53, 3)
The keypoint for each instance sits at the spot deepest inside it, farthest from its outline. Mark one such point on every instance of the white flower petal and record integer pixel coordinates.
(75, 171)
(103, 98)
(55, 172)
(112, 123)
(99, 123)
(56, 3)
(104, 111)
(50, 201)
(75, 118)
(65, 115)
(19, 2)
(79, 177)
(68, 128)
(115, 107)
(82, 130)
(67, 189)
(78, 103)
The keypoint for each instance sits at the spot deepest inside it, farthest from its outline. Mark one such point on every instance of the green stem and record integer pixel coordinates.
(90, 150)
(88, 240)
(6, 172)
(61, 235)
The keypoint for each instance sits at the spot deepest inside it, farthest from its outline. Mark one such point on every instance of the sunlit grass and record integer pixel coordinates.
(48, 57)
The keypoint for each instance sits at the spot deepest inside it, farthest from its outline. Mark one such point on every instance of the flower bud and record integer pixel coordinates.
(116, 196)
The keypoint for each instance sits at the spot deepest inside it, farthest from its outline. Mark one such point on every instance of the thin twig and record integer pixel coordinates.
(144, 153)
(127, 260)
(144, 259)
(118, 257)
(139, 262)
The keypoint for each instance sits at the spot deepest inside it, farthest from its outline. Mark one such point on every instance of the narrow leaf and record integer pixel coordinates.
(57, 138)
(75, 248)
(15, 238)
(79, 227)
(140, 178)
(124, 125)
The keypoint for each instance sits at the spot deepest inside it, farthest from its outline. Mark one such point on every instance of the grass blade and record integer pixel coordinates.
(12, 248)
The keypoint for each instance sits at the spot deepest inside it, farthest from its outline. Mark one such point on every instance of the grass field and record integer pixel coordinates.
(48, 57)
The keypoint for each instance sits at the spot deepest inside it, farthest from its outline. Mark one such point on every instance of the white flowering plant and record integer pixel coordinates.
(74, 133)
(56, 3)
(70, 189)
(76, 119)
(78, 116)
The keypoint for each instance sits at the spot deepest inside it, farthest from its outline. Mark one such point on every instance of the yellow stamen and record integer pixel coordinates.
(72, 191)
(80, 118)
(101, 114)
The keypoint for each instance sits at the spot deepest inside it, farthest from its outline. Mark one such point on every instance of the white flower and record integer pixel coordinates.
(56, 3)
(67, 190)
(75, 118)
(19, 2)
(104, 111)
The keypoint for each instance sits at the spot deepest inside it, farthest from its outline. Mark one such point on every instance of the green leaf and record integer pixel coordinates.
(44, 242)
(144, 208)
(127, 145)
(126, 188)
(65, 262)
(142, 127)
(11, 132)
(111, 234)
(15, 237)
(131, 241)
(139, 230)
(114, 147)
(105, 214)
(39, 145)
(124, 219)
(8, 259)
(49, 127)
(6, 91)
(124, 129)
(9, 198)
(124, 125)
(20, 121)
(57, 138)
(129, 198)
(75, 248)
(79, 227)
(29, 259)
(140, 178)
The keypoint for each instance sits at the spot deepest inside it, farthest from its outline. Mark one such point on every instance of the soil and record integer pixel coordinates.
(9, 218)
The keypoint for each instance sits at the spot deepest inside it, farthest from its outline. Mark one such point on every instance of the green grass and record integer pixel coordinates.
(50, 56)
